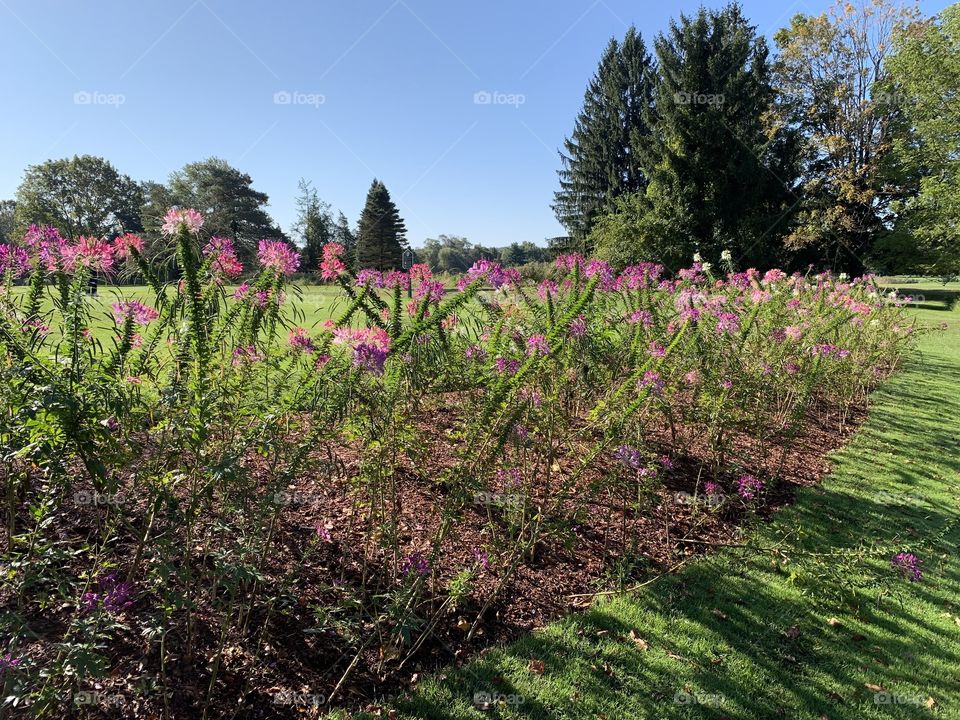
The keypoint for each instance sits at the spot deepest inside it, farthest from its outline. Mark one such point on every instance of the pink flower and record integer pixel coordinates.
(429, 289)
(124, 245)
(656, 349)
(14, 259)
(140, 314)
(224, 256)
(772, 276)
(92, 253)
(642, 317)
(578, 327)
(794, 332)
(247, 354)
(748, 487)
(506, 366)
(175, 218)
(299, 339)
(537, 345)
(241, 292)
(279, 256)
(331, 266)
(652, 380)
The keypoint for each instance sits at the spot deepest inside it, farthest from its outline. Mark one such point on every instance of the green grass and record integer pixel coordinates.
(806, 627)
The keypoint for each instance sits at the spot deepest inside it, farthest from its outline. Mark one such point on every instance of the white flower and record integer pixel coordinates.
(706, 267)
(697, 257)
(844, 277)
(726, 256)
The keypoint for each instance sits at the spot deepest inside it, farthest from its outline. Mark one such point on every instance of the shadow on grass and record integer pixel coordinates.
(814, 623)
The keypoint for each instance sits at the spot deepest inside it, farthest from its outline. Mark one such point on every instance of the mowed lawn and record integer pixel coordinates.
(808, 621)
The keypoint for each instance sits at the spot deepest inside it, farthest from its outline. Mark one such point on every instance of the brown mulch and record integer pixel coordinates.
(608, 546)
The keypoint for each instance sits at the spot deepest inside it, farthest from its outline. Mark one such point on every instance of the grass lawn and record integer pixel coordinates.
(810, 621)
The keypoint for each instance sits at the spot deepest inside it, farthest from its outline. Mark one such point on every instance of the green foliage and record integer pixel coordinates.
(82, 195)
(602, 157)
(381, 233)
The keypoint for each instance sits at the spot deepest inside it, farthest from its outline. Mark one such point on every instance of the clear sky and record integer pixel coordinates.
(459, 107)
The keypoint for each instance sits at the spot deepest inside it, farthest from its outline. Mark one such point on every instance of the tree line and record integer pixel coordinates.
(840, 149)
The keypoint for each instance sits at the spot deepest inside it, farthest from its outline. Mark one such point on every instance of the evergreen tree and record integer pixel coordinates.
(381, 233)
(314, 226)
(721, 173)
(602, 158)
(345, 236)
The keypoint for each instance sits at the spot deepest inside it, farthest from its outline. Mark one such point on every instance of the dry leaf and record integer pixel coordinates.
(833, 622)
(537, 667)
(874, 688)
(794, 632)
(639, 641)
(930, 703)
(719, 613)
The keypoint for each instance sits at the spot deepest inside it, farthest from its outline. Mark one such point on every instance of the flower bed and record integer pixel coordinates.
(229, 501)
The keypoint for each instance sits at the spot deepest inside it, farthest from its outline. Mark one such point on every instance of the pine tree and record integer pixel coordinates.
(602, 158)
(721, 174)
(381, 233)
(346, 237)
(314, 225)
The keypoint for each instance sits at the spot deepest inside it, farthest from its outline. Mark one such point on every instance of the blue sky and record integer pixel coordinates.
(459, 107)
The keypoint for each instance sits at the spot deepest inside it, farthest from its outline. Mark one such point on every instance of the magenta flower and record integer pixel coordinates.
(370, 358)
(652, 380)
(506, 366)
(656, 349)
(908, 565)
(125, 245)
(14, 259)
(371, 277)
(429, 289)
(728, 323)
(578, 327)
(482, 558)
(415, 563)
(177, 218)
(224, 255)
(475, 352)
(331, 266)
(629, 456)
(8, 661)
(114, 595)
(299, 339)
(241, 292)
(537, 345)
(726, 384)
(92, 253)
(711, 488)
(748, 487)
(642, 317)
(140, 314)
(247, 354)
(324, 533)
(279, 256)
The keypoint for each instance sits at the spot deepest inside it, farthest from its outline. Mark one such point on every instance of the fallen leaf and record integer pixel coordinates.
(639, 641)
(931, 703)
(719, 613)
(874, 688)
(833, 622)
(794, 632)
(537, 667)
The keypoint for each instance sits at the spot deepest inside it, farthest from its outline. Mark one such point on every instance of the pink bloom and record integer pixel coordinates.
(92, 253)
(537, 345)
(642, 317)
(140, 314)
(429, 289)
(299, 339)
(279, 256)
(578, 327)
(506, 366)
(14, 259)
(331, 267)
(420, 272)
(369, 276)
(772, 276)
(748, 487)
(175, 218)
(241, 292)
(652, 380)
(124, 245)
(656, 349)
(224, 255)
(794, 332)
(710, 487)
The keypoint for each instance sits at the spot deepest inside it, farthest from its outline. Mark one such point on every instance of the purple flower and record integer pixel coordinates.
(415, 563)
(748, 487)
(482, 558)
(323, 533)
(112, 594)
(537, 345)
(629, 456)
(506, 366)
(656, 349)
(908, 565)
(475, 352)
(370, 357)
(728, 323)
(666, 462)
(578, 327)
(652, 380)
(8, 661)
(711, 488)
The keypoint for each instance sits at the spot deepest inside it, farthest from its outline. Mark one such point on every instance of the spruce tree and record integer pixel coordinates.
(722, 174)
(381, 233)
(314, 225)
(602, 158)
